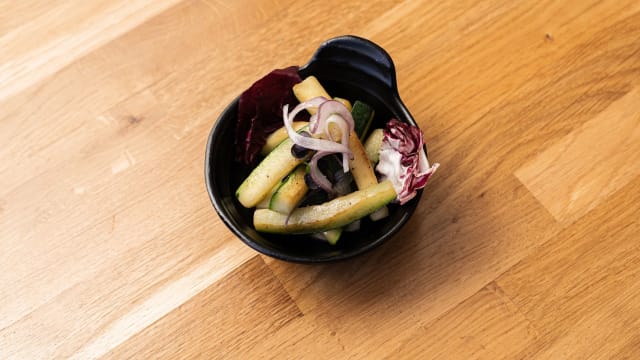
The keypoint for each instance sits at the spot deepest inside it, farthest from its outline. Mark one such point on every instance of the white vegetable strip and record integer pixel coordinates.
(310, 142)
(344, 129)
(333, 111)
(325, 110)
(317, 176)
(403, 160)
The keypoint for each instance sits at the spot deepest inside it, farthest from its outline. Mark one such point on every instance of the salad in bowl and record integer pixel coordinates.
(322, 162)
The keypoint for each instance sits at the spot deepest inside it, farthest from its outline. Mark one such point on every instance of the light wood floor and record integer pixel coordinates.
(526, 243)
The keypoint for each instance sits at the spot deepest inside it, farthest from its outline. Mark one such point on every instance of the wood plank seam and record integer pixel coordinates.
(120, 331)
(281, 284)
(576, 173)
(495, 288)
(19, 75)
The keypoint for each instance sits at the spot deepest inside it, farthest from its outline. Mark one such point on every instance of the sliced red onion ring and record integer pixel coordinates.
(329, 112)
(309, 142)
(315, 102)
(332, 111)
(344, 130)
(325, 110)
(317, 176)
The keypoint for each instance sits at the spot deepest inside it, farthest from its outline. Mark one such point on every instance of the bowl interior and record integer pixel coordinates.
(224, 175)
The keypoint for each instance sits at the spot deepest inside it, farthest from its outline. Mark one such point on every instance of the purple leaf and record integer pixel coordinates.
(260, 111)
(403, 160)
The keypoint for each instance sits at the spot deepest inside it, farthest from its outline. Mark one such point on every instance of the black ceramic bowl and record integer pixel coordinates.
(350, 67)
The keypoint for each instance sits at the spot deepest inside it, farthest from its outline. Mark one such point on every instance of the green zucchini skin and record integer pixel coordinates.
(267, 174)
(326, 216)
(290, 192)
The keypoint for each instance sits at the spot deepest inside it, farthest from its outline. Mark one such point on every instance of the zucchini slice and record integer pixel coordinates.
(372, 145)
(308, 89)
(279, 136)
(326, 216)
(271, 170)
(362, 117)
(290, 192)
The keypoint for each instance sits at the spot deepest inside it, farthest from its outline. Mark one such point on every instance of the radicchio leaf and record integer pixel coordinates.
(403, 160)
(260, 111)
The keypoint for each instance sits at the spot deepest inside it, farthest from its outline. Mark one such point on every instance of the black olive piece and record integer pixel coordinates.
(310, 183)
(343, 182)
(314, 197)
(300, 152)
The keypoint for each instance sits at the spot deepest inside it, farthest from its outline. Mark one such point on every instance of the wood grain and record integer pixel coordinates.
(525, 244)
(589, 164)
(592, 265)
(32, 51)
(227, 324)
(488, 325)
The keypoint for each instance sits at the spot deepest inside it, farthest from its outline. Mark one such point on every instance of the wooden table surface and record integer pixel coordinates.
(526, 243)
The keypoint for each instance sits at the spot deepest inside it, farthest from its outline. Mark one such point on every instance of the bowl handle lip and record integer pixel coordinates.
(364, 56)
(361, 55)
